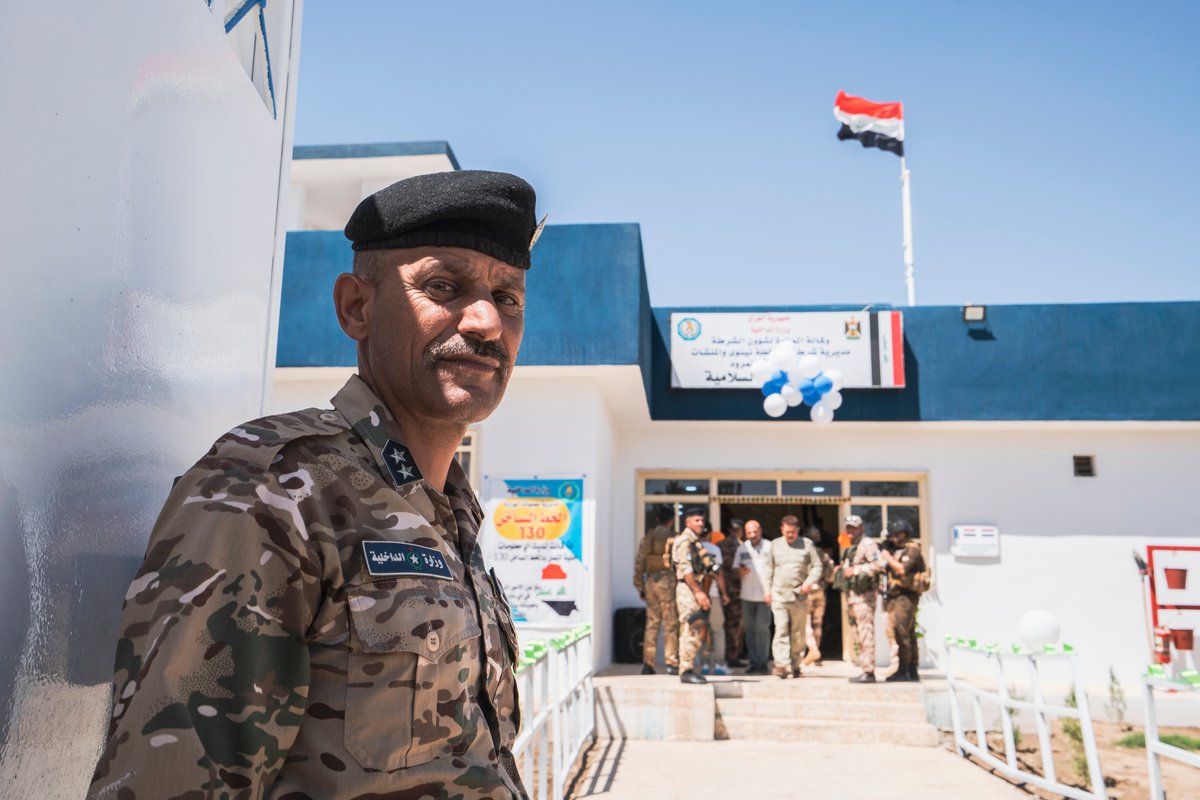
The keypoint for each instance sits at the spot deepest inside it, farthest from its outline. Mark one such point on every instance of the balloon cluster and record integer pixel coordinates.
(789, 379)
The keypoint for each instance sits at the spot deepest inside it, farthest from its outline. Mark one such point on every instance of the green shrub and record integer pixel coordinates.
(1182, 741)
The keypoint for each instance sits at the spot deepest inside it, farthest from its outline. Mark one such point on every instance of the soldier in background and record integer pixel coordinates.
(690, 598)
(905, 566)
(858, 575)
(792, 569)
(816, 598)
(735, 645)
(654, 579)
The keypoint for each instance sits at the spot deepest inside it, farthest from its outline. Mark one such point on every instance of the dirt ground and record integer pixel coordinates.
(1126, 771)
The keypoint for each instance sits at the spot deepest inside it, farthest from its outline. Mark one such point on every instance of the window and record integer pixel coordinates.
(684, 486)
(884, 489)
(812, 488)
(466, 455)
(747, 488)
(872, 517)
(911, 514)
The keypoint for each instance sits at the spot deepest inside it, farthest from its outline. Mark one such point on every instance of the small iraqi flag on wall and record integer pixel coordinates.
(872, 124)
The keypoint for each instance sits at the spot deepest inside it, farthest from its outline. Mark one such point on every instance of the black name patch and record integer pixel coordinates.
(402, 558)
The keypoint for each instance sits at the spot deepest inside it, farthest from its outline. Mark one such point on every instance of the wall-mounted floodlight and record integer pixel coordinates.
(974, 313)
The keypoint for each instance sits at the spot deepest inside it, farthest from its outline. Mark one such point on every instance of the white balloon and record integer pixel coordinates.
(783, 355)
(808, 366)
(791, 396)
(821, 414)
(836, 376)
(774, 405)
(1038, 629)
(832, 399)
(761, 370)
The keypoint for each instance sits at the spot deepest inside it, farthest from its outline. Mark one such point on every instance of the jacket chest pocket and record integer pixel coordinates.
(412, 672)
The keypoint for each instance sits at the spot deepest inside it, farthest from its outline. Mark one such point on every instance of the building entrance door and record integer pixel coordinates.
(823, 517)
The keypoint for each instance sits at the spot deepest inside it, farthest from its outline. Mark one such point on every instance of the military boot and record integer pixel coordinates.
(866, 677)
(691, 677)
(672, 669)
(912, 672)
(899, 676)
(647, 669)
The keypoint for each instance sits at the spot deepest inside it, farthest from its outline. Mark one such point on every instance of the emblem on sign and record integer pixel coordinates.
(853, 328)
(689, 328)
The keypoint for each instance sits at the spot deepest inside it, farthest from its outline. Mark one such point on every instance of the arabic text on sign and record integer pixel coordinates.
(531, 519)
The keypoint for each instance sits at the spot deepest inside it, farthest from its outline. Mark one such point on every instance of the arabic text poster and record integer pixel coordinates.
(717, 350)
(533, 533)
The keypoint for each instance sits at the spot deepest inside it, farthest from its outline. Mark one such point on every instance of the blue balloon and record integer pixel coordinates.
(822, 383)
(806, 385)
(773, 386)
(811, 397)
(779, 375)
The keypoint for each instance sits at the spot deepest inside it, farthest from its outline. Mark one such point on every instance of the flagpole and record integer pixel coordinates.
(906, 205)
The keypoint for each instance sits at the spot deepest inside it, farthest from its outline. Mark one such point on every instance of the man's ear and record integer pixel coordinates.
(352, 298)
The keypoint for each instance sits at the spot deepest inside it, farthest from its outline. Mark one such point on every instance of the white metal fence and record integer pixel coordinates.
(1042, 711)
(1155, 747)
(558, 712)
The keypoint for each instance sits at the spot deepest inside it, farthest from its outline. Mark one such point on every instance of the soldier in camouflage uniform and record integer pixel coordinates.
(690, 598)
(654, 579)
(904, 568)
(859, 575)
(735, 640)
(314, 618)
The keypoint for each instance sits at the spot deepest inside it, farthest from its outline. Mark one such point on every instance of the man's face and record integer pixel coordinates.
(790, 533)
(854, 532)
(442, 328)
(897, 538)
(738, 533)
(695, 524)
(753, 532)
(814, 536)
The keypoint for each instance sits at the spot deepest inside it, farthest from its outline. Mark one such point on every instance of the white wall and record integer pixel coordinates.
(138, 237)
(1066, 541)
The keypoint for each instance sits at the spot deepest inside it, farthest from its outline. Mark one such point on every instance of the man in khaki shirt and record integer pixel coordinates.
(792, 570)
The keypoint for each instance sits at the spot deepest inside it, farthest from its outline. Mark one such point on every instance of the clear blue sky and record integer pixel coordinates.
(1054, 146)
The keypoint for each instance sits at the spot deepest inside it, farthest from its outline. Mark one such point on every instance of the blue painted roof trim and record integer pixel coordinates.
(586, 299)
(377, 150)
(588, 304)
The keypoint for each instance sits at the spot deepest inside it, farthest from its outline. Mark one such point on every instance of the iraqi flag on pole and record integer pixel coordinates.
(872, 124)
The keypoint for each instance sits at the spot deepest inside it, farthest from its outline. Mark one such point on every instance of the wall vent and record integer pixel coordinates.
(1085, 466)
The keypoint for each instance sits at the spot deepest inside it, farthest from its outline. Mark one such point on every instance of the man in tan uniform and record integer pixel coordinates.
(859, 573)
(792, 569)
(690, 598)
(314, 617)
(654, 579)
(904, 567)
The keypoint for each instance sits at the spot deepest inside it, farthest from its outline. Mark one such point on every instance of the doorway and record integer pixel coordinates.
(822, 516)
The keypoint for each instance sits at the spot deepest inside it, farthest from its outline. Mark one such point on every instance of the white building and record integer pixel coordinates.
(1073, 430)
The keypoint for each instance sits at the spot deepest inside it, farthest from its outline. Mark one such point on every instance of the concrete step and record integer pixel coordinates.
(831, 710)
(819, 689)
(826, 731)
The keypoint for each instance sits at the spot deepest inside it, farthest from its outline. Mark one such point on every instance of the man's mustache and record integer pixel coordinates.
(459, 346)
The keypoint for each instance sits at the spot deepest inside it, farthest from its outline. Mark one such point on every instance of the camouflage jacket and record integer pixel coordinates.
(863, 565)
(683, 554)
(314, 620)
(650, 557)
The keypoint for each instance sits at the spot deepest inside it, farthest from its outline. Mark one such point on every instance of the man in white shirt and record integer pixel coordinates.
(749, 563)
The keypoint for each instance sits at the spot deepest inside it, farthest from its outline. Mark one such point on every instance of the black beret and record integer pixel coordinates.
(491, 212)
(695, 511)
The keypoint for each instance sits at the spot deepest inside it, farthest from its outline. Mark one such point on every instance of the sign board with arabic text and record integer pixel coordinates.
(533, 539)
(716, 350)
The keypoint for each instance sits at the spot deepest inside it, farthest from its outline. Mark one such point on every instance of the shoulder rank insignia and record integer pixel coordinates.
(400, 464)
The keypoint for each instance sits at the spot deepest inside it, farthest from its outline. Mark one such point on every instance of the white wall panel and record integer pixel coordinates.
(139, 245)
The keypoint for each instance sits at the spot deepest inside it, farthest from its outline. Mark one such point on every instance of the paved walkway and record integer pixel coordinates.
(721, 770)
